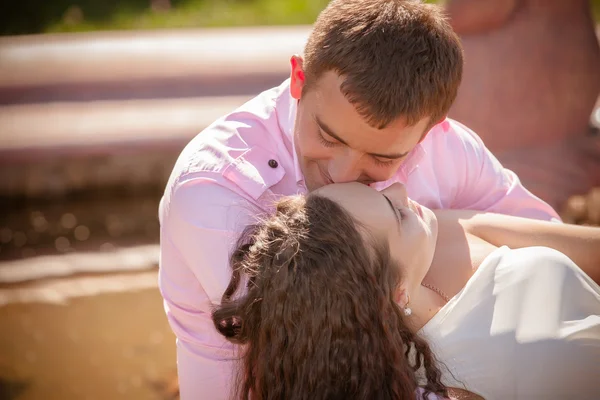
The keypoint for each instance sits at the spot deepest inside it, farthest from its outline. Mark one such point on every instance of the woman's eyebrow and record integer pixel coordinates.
(393, 210)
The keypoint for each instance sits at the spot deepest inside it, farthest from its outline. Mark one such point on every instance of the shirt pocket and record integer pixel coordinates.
(255, 171)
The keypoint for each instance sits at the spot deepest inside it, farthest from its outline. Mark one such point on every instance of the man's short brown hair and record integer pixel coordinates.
(398, 58)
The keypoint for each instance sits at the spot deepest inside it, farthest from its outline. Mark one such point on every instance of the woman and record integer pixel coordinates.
(343, 287)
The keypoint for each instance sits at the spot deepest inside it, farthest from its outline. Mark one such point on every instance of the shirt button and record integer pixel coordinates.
(273, 164)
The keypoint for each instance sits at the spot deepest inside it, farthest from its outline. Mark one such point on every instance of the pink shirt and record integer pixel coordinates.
(244, 161)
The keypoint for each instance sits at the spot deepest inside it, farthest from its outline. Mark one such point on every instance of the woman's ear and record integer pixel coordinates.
(401, 297)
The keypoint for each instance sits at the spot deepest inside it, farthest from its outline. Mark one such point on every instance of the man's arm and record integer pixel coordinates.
(200, 221)
(485, 185)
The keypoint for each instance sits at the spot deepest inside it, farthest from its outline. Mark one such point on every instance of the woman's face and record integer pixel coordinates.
(409, 228)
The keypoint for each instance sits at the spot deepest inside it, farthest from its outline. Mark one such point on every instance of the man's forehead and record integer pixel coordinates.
(349, 128)
(326, 91)
(336, 112)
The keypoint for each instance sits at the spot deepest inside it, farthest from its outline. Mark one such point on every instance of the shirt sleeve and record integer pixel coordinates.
(200, 222)
(485, 185)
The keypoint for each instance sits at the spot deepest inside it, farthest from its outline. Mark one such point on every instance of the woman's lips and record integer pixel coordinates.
(416, 207)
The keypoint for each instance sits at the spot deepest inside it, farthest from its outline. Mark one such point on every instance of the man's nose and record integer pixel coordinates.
(345, 169)
(397, 192)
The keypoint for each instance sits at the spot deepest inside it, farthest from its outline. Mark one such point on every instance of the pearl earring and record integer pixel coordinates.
(407, 310)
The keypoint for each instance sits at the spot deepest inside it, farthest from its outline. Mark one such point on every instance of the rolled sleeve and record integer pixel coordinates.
(485, 185)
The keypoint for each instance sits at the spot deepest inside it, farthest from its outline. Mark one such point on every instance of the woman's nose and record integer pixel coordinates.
(397, 192)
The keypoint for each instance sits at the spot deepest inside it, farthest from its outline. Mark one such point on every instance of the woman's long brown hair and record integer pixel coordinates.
(318, 319)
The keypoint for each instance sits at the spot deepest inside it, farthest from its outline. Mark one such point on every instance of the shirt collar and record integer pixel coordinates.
(412, 161)
(408, 166)
(297, 170)
(286, 112)
(414, 158)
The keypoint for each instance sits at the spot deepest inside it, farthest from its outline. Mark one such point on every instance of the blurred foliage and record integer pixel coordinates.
(37, 16)
(40, 16)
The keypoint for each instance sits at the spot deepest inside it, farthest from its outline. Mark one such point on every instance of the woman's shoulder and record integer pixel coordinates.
(510, 278)
(513, 270)
(523, 308)
(532, 272)
(530, 256)
(537, 262)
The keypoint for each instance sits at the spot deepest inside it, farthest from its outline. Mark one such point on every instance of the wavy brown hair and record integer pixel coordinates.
(318, 318)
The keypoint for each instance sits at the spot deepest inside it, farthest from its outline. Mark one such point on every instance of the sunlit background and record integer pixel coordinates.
(97, 99)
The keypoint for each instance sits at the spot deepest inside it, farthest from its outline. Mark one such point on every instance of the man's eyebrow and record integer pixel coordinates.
(393, 209)
(323, 126)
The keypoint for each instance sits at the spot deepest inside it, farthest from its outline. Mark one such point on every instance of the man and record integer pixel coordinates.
(367, 103)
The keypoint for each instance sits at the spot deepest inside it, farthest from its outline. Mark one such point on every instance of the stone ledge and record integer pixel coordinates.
(34, 60)
(101, 124)
(57, 148)
(129, 259)
(60, 291)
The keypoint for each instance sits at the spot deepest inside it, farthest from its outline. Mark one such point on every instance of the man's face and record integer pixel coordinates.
(335, 144)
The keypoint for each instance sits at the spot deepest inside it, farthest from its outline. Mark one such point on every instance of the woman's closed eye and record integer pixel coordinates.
(402, 213)
(399, 213)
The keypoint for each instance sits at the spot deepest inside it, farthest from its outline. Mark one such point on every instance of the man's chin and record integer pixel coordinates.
(314, 182)
(311, 185)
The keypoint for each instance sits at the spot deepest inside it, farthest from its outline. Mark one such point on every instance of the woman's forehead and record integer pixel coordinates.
(364, 203)
(346, 193)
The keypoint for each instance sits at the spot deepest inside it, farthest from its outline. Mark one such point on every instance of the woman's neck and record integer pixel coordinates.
(424, 304)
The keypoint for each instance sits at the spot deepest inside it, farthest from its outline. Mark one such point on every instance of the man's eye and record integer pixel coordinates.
(325, 142)
(384, 162)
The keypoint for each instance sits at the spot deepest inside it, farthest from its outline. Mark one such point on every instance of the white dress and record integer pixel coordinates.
(525, 326)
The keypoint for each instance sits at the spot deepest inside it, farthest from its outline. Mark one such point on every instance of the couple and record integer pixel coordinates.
(352, 293)
(367, 102)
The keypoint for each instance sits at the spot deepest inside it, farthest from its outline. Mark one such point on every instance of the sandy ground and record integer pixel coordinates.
(112, 345)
